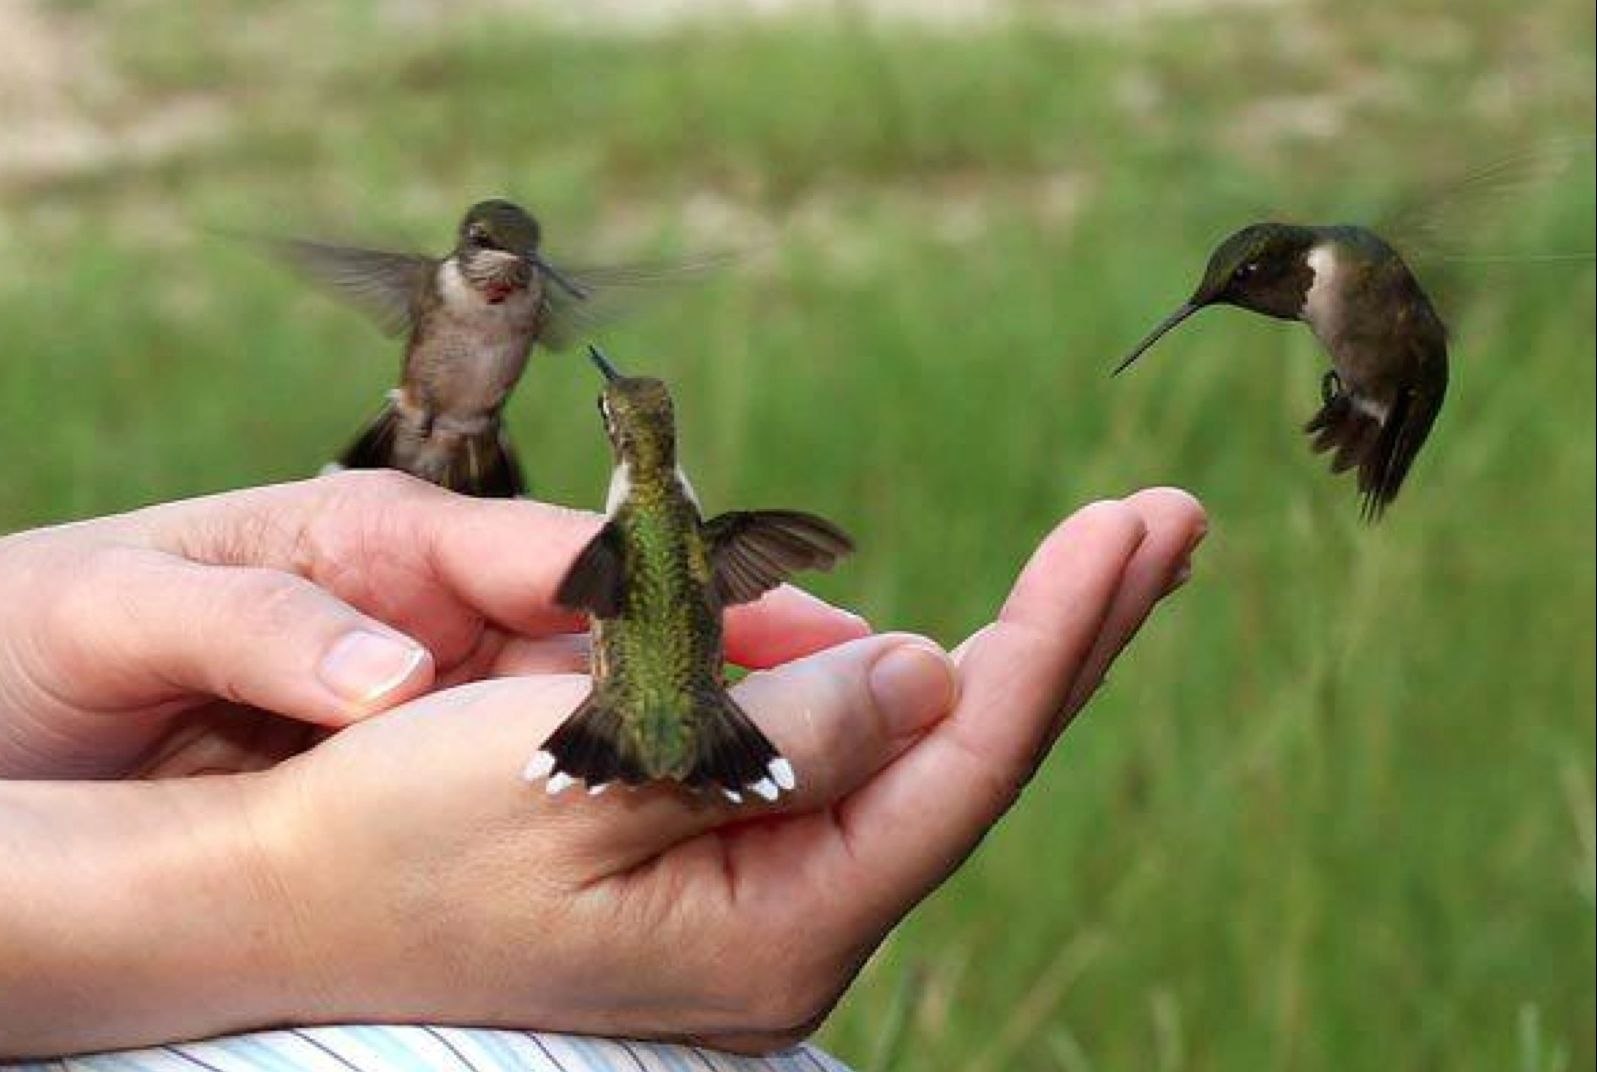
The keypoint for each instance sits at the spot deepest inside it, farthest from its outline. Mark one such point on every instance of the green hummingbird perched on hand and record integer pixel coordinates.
(470, 319)
(1388, 346)
(654, 581)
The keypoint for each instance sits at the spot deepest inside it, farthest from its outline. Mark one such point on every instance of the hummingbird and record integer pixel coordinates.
(654, 582)
(1386, 342)
(470, 319)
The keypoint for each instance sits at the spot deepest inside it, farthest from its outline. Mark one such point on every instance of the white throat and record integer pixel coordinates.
(1321, 305)
(620, 488)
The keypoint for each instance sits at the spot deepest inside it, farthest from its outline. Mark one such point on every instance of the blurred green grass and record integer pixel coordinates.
(1335, 808)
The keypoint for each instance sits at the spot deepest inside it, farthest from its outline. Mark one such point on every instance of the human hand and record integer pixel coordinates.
(225, 633)
(428, 882)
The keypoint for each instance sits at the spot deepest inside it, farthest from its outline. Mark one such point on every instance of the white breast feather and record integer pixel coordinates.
(687, 489)
(1319, 305)
(620, 488)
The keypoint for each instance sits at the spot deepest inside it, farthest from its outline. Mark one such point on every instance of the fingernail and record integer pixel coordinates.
(912, 685)
(363, 667)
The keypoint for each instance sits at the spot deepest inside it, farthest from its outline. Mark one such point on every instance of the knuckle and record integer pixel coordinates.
(271, 599)
(86, 599)
(375, 485)
(364, 514)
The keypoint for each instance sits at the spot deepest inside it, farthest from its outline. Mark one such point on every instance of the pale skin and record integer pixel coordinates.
(399, 869)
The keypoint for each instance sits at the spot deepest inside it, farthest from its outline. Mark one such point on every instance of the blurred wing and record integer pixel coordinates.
(1458, 237)
(1460, 220)
(606, 294)
(382, 285)
(753, 551)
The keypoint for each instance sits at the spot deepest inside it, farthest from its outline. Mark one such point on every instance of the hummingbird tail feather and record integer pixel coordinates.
(374, 447)
(481, 464)
(1383, 448)
(587, 747)
(1403, 434)
(733, 756)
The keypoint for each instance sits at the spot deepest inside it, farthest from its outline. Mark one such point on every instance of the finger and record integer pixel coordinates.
(787, 623)
(1176, 525)
(913, 823)
(435, 564)
(568, 653)
(149, 628)
(837, 716)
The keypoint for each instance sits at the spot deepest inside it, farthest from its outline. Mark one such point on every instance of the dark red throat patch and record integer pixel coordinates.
(495, 292)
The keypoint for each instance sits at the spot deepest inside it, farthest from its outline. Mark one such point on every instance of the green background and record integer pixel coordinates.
(1334, 809)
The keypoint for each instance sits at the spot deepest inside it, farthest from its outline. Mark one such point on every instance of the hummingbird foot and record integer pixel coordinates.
(1330, 386)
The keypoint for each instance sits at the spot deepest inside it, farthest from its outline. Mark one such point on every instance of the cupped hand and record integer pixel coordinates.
(225, 633)
(428, 881)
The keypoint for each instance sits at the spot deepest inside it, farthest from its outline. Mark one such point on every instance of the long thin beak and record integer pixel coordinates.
(1156, 334)
(577, 291)
(603, 363)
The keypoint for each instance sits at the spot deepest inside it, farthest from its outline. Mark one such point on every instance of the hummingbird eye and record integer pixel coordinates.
(1245, 270)
(477, 235)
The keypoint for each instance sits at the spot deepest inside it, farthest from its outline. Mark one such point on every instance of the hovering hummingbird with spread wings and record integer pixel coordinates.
(1388, 346)
(654, 581)
(470, 319)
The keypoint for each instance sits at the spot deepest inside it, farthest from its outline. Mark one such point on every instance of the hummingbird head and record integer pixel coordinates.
(1263, 267)
(497, 249)
(499, 225)
(638, 417)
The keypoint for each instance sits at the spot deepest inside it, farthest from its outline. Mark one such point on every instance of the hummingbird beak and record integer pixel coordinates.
(603, 363)
(1157, 333)
(564, 281)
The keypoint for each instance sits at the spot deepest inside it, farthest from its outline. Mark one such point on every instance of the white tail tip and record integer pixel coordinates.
(595, 790)
(781, 772)
(765, 789)
(557, 782)
(539, 766)
(732, 794)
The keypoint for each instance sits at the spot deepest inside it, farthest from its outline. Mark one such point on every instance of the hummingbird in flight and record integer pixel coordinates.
(1386, 342)
(469, 319)
(654, 582)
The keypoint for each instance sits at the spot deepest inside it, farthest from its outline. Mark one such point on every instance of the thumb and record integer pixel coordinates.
(159, 629)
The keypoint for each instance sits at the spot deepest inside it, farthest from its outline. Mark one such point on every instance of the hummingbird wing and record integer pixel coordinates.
(1449, 221)
(381, 284)
(753, 551)
(594, 581)
(583, 300)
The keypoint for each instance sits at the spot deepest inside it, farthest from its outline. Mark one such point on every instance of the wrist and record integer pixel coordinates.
(134, 913)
